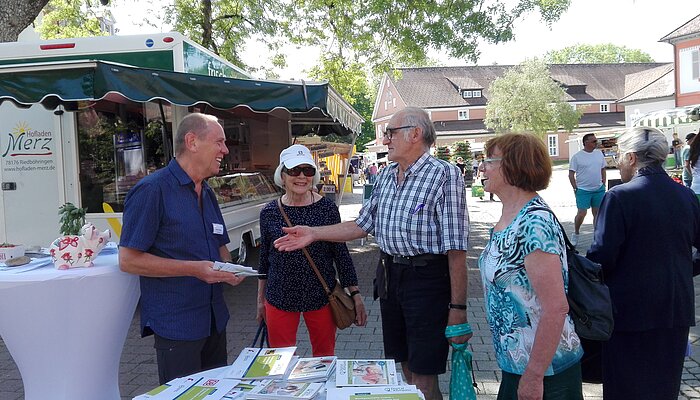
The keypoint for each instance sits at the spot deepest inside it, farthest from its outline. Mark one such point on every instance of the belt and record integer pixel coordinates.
(420, 260)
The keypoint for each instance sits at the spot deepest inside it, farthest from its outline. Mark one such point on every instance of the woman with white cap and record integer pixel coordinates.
(290, 287)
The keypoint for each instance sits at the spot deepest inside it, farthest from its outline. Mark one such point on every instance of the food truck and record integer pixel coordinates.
(84, 127)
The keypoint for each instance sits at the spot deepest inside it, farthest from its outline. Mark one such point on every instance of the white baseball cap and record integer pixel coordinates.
(296, 154)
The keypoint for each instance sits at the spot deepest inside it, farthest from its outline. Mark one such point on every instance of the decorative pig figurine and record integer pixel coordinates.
(73, 251)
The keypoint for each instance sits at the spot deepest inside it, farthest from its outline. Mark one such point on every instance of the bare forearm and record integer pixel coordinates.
(547, 339)
(262, 285)
(457, 260)
(572, 180)
(341, 232)
(146, 264)
(603, 174)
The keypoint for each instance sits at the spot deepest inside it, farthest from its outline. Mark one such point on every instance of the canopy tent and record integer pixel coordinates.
(312, 106)
(669, 117)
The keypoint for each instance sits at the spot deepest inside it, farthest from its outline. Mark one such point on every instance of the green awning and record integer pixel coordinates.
(667, 118)
(57, 83)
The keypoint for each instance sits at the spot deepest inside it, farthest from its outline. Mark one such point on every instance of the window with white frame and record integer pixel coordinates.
(393, 102)
(476, 93)
(467, 94)
(463, 114)
(695, 67)
(386, 105)
(553, 145)
(604, 108)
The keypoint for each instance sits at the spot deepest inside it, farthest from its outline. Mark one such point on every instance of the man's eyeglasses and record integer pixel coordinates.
(296, 171)
(593, 141)
(389, 132)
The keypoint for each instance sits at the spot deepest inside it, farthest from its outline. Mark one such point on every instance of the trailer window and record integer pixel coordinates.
(118, 144)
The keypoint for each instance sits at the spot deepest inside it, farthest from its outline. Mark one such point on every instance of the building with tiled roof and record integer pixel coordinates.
(456, 99)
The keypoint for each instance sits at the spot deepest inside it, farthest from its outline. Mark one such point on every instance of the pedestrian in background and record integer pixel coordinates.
(173, 232)
(646, 229)
(587, 178)
(525, 277)
(290, 287)
(418, 214)
(685, 154)
(677, 147)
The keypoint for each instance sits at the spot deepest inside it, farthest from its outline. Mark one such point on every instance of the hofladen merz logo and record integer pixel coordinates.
(23, 141)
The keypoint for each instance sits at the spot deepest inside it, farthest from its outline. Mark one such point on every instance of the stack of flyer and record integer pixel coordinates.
(365, 373)
(407, 392)
(261, 363)
(312, 369)
(236, 269)
(191, 388)
(277, 389)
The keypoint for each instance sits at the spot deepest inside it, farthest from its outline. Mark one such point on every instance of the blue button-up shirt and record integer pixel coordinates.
(425, 214)
(162, 216)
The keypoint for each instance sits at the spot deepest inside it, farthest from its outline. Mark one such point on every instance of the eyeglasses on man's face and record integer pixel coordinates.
(390, 132)
(592, 141)
(296, 171)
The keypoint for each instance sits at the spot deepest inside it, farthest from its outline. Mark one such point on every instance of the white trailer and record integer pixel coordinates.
(86, 131)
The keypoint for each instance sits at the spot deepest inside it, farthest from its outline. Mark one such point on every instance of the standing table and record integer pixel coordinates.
(66, 329)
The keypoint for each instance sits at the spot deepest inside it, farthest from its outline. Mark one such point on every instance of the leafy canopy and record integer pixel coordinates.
(527, 99)
(68, 19)
(596, 53)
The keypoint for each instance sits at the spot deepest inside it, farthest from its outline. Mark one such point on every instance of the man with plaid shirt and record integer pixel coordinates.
(418, 214)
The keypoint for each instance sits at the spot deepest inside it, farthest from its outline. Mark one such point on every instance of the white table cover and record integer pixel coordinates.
(66, 329)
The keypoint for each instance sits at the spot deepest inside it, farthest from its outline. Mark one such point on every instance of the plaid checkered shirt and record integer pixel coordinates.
(426, 214)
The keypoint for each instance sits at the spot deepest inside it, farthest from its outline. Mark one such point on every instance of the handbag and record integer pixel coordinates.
(342, 305)
(262, 335)
(590, 306)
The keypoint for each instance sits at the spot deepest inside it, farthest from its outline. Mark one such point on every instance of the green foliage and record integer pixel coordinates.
(72, 219)
(443, 153)
(462, 149)
(68, 18)
(350, 79)
(526, 99)
(598, 53)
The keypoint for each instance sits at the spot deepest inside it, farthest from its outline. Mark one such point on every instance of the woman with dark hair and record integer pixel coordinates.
(525, 277)
(644, 237)
(693, 156)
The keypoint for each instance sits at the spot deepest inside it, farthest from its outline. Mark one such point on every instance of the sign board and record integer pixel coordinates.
(328, 189)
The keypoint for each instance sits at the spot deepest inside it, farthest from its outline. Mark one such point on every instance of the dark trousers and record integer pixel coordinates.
(178, 358)
(565, 385)
(644, 365)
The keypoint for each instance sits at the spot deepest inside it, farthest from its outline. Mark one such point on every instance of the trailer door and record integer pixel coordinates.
(29, 200)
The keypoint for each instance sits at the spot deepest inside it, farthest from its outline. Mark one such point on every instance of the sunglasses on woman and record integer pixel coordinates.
(296, 171)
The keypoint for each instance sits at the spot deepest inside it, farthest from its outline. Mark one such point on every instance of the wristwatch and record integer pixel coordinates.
(458, 306)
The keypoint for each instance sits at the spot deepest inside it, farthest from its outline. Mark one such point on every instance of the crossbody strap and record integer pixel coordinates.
(306, 252)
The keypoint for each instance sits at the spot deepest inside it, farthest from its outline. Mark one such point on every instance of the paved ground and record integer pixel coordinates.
(138, 372)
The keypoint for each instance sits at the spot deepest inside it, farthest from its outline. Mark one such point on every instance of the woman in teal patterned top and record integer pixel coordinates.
(524, 273)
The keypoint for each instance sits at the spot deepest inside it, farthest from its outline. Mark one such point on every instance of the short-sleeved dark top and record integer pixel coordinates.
(291, 283)
(162, 216)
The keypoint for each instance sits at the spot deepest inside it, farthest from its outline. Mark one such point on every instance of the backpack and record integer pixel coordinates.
(590, 306)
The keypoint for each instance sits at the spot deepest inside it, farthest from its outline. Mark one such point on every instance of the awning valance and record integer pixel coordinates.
(668, 117)
(57, 83)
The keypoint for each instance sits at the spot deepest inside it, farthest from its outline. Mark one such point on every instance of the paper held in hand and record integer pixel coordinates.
(263, 363)
(365, 373)
(236, 269)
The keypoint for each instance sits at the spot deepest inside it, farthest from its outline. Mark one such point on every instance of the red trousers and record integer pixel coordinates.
(282, 329)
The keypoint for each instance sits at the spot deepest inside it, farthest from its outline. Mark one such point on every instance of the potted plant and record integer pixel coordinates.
(71, 250)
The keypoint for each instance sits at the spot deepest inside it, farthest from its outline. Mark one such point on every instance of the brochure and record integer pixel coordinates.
(261, 363)
(365, 373)
(408, 392)
(312, 369)
(191, 389)
(285, 390)
(241, 389)
(236, 269)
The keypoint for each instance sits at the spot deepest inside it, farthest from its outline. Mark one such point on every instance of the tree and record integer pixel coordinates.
(526, 98)
(70, 18)
(462, 149)
(15, 15)
(597, 53)
(443, 153)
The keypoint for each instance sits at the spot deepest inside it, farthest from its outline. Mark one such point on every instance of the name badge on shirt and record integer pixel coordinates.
(218, 229)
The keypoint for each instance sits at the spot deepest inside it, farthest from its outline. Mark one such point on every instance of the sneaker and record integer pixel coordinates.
(574, 239)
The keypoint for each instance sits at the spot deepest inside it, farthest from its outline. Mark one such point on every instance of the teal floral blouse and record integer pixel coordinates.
(512, 307)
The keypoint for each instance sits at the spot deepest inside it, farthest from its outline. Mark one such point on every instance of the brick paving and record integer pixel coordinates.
(138, 372)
